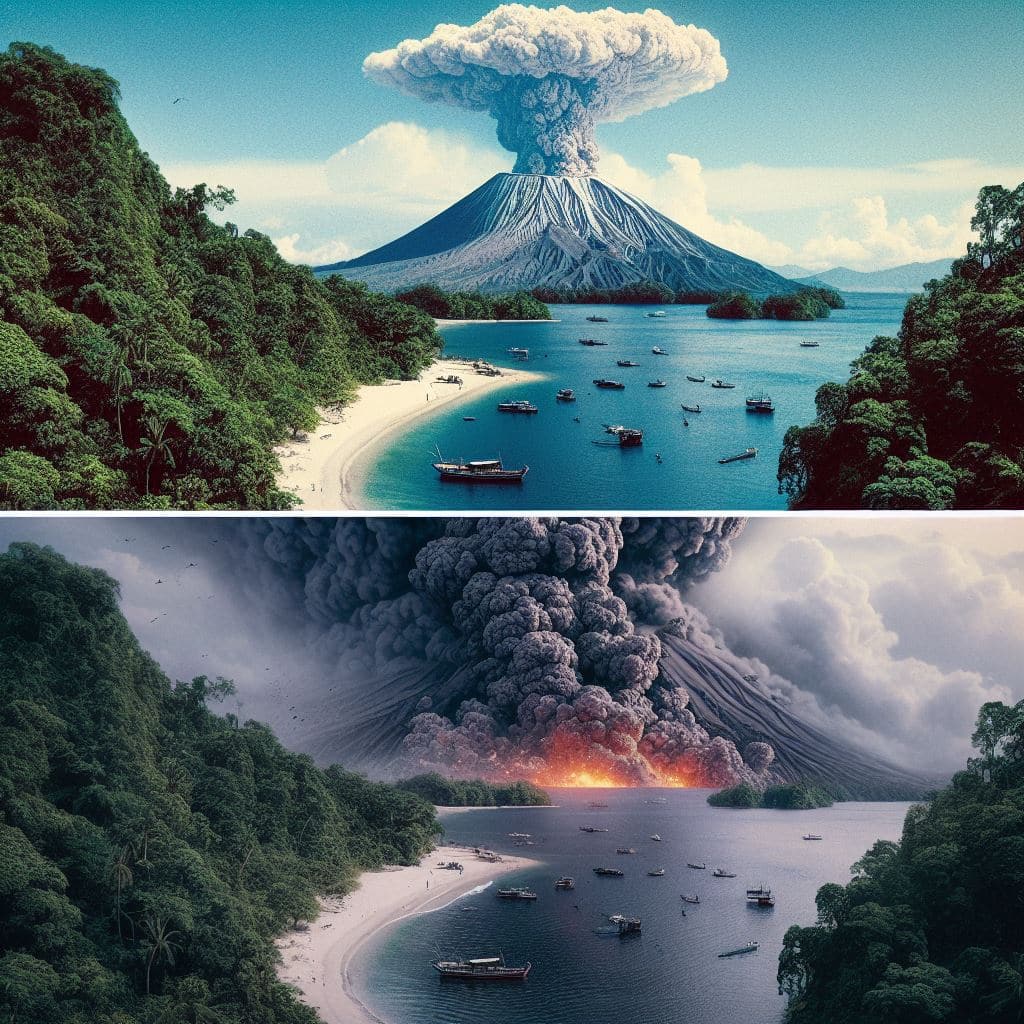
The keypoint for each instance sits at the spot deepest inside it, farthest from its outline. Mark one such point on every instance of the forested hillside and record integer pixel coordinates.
(150, 849)
(930, 930)
(933, 419)
(148, 357)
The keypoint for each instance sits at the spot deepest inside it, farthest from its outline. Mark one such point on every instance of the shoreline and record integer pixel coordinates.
(326, 468)
(324, 950)
(442, 322)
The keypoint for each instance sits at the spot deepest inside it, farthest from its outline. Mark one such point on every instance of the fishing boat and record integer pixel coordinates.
(625, 849)
(657, 873)
(690, 408)
(469, 419)
(657, 313)
(760, 897)
(696, 380)
(565, 882)
(629, 926)
(566, 395)
(519, 353)
(614, 385)
(628, 437)
(690, 898)
(483, 968)
(809, 344)
(626, 362)
(520, 406)
(659, 383)
(747, 453)
(592, 342)
(482, 471)
(609, 872)
(760, 403)
(697, 867)
(598, 319)
(811, 836)
(519, 835)
(656, 838)
(722, 873)
(722, 385)
(750, 947)
(658, 351)
(592, 828)
(517, 893)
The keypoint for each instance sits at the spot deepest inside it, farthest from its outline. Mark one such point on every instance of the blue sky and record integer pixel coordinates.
(858, 86)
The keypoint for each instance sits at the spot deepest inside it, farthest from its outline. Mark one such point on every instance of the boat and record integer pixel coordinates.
(750, 947)
(760, 403)
(809, 344)
(469, 419)
(566, 395)
(592, 342)
(483, 471)
(697, 867)
(517, 893)
(565, 882)
(519, 353)
(656, 873)
(614, 385)
(658, 351)
(596, 803)
(690, 898)
(519, 835)
(721, 384)
(657, 313)
(629, 926)
(598, 319)
(811, 836)
(520, 406)
(628, 437)
(659, 383)
(625, 849)
(691, 408)
(609, 872)
(483, 968)
(626, 362)
(656, 838)
(722, 873)
(747, 453)
(760, 897)
(592, 828)
(696, 380)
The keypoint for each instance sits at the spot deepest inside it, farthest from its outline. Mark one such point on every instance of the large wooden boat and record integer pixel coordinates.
(484, 968)
(481, 471)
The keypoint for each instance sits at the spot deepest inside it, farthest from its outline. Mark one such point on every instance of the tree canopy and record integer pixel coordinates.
(446, 305)
(474, 792)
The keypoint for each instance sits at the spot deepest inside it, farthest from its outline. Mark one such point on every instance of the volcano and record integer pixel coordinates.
(530, 230)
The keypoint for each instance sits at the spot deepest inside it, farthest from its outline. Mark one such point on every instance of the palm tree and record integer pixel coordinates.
(119, 378)
(155, 445)
(162, 942)
(122, 872)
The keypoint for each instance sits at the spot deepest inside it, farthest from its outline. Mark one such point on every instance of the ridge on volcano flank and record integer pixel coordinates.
(529, 230)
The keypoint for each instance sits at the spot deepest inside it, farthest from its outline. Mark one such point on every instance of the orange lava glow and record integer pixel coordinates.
(567, 777)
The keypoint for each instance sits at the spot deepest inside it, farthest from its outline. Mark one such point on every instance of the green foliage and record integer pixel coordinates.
(474, 792)
(790, 796)
(474, 305)
(641, 293)
(149, 848)
(805, 304)
(930, 928)
(735, 306)
(149, 357)
(945, 427)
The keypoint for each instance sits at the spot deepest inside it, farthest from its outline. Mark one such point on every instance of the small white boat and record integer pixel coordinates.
(656, 838)
(690, 898)
(750, 947)
(656, 873)
(809, 344)
(658, 351)
(659, 383)
(658, 313)
(811, 836)
(747, 453)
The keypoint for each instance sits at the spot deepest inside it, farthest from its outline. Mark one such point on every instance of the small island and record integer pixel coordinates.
(444, 792)
(805, 304)
(445, 305)
(789, 796)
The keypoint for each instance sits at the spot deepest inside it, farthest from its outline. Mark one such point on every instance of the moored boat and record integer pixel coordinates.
(519, 353)
(604, 382)
(747, 453)
(697, 867)
(656, 838)
(722, 873)
(609, 872)
(592, 342)
(625, 849)
(483, 471)
(690, 898)
(809, 344)
(658, 313)
(811, 836)
(484, 968)
(722, 385)
(592, 828)
(598, 319)
(696, 380)
(750, 947)
(518, 406)
(656, 873)
(760, 897)
(659, 383)
(760, 403)
(516, 893)
(690, 408)
(659, 351)
(566, 395)
(626, 362)
(565, 882)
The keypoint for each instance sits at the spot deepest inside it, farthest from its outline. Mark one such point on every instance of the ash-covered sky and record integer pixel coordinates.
(894, 631)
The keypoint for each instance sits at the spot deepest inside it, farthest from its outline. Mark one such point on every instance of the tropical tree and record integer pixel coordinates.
(162, 942)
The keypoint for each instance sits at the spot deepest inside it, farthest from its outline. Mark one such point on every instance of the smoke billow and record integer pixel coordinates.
(547, 76)
(508, 647)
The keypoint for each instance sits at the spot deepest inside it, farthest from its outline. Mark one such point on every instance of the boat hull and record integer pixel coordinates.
(509, 476)
(498, 974)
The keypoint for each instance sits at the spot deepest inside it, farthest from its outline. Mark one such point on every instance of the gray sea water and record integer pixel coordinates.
(568, 471)
(583, 972)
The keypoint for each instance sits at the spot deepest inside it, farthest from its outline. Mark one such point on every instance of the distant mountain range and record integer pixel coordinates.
(527, 230)
(909, 277)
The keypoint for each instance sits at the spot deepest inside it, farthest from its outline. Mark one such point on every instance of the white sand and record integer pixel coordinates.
(316, 961)
(326, 469)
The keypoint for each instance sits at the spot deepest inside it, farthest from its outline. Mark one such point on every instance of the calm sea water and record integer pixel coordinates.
(567, 471)
(583, 972)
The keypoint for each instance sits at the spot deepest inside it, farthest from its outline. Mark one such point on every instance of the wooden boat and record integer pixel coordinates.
(609, 872)
(750, 947)
(760, 403)
(469, 419)
(722, 873)
(690, 898)
(697, 867)
(565, 882)
(517, 893)
(626, 362)
(690, 408)
(811, 836)
(809, 344)
(722, 385)
(760, 897)
(593, 342)
(747, 453)
(592, 828)
(656, 873)
(598, 319)
(658, 351)
(521, 354)
(484, 968)
(629, 926)
(614, 385)
(520, 406)
(482, 471)
(696, 380)
(625, 849)
(566, 395)
(519, 835)
(628, 437)
(659, 383)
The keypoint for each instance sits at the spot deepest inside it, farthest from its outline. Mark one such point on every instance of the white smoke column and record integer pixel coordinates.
(547, 76)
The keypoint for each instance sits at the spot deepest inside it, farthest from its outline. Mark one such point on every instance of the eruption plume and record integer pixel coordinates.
(547, 76)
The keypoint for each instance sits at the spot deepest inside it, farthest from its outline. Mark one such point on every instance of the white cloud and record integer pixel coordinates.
(325, 252)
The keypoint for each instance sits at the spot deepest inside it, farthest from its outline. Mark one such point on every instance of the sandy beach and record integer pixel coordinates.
(316, 960)
(324, 469)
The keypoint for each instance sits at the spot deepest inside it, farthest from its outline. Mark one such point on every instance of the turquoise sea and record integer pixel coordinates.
(583, 972)
(568, 471)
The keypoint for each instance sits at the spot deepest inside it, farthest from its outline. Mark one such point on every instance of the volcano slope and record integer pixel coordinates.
(529, 230)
